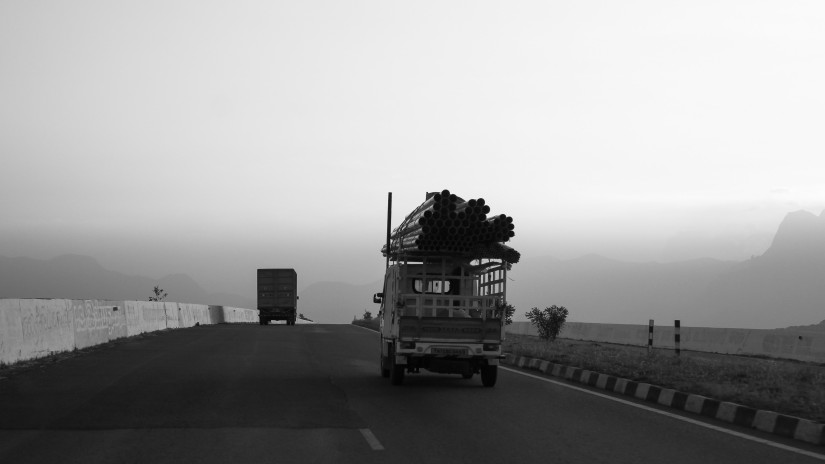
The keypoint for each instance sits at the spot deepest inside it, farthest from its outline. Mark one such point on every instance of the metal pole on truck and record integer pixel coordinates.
(389, 227)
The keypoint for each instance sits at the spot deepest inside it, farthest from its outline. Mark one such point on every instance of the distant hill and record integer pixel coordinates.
(800, 237)
(598, 289)
(785, 286)
(816, 328)
(82, 277)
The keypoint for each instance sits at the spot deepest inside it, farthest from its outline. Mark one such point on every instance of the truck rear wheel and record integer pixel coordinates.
(383, 361)
(385, 371)
(489, 375)
(396, 371)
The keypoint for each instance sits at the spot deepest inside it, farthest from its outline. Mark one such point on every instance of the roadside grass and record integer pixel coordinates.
(784, 386)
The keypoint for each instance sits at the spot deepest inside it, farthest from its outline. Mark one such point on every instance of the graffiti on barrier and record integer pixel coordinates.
(44, 319)
(96, 322)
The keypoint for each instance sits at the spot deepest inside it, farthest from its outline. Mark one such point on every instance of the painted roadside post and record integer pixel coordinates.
(676, 336)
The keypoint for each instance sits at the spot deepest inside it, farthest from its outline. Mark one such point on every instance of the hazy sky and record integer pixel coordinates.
(212, 138)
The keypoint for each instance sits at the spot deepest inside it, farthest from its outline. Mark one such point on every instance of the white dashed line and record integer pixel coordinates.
(676, 416)
(371, 440)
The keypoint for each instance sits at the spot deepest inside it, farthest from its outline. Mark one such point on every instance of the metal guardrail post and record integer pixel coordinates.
(677, 336)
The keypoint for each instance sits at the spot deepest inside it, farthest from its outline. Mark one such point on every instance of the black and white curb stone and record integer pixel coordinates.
(766, 421)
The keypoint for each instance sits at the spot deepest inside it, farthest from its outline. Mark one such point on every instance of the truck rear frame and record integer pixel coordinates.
(277, 295)
(444, 314)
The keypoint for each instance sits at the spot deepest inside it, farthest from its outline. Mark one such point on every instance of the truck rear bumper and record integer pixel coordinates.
(446, 365)
(492, 360)
(276, 315)
(415, 352)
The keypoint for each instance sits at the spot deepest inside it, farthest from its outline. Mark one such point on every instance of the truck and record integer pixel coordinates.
(442, 306)
(277, 295)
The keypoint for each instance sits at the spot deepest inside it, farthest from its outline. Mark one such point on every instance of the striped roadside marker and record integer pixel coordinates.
(677, 337)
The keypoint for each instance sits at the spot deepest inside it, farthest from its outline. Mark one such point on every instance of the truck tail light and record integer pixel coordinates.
(408, 345)
(490, 347)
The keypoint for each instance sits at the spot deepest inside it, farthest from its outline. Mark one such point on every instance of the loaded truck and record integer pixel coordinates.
(444, 295)
(277, 295)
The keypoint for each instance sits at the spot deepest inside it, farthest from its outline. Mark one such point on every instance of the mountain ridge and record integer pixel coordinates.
(800, 235)
(75, 276)
(783, 287)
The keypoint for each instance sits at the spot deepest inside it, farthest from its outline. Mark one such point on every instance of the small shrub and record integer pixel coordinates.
(509, 310)
(159, 294)
(549, 321)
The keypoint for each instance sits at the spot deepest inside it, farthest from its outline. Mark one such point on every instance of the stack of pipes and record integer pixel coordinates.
(445, 223)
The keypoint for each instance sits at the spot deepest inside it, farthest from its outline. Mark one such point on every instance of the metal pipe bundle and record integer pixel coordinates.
(446, 223)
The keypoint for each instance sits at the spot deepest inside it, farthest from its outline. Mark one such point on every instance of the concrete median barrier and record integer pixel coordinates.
(190, 315)
(33, 328)
(144, 316)
(11, 334)
(172, 316)
(216, 315)
(239, 315)
(97, 322)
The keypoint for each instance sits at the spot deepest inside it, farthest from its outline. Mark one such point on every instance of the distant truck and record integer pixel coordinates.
(277, 295)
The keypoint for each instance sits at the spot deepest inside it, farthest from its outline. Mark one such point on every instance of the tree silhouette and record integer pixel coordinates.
(509, 310)
(549, 321)
(159, 294)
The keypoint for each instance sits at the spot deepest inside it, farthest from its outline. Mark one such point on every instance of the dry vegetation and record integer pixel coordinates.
(787, 387)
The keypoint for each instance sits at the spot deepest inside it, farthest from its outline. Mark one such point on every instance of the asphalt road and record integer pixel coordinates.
(313, 393)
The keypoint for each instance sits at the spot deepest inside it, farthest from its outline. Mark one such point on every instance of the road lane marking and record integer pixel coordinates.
(371, 440)
(810, 454)
(365, 328)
